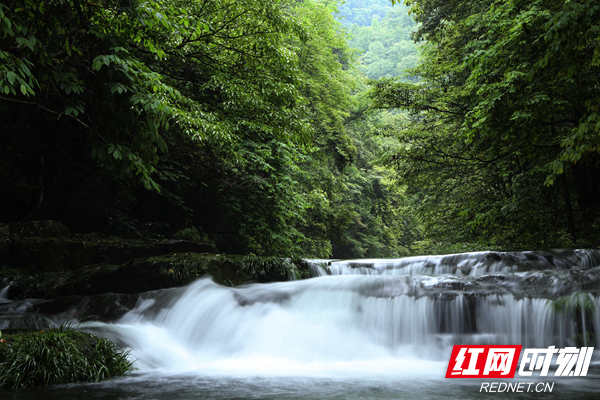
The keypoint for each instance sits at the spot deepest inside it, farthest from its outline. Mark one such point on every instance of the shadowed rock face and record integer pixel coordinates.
(55, 254)
(133, 276)
(88, 278)
(40, 259)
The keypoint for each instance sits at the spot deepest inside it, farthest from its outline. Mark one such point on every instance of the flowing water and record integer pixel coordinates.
(360, 329)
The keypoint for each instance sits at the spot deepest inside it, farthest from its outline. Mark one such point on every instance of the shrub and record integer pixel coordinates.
(58, 355)
(264, 269)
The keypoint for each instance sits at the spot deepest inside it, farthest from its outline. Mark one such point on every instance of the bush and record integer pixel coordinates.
(58, 355)
(193, 235)
(265, 269)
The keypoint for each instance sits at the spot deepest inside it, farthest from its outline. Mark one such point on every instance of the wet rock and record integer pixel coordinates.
(492, 278)
(493, 256)
(361, 265)
(272, 297)
(452, 259)
(9, 323)
(104, 307)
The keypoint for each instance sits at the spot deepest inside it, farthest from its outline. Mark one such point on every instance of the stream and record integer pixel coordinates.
(359, 329)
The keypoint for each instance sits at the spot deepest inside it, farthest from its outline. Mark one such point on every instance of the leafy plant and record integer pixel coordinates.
(192, 234)
(265, 269)
(59, 355)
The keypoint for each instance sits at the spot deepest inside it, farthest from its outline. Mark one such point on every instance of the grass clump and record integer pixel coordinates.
(266, 269)
(58, 355)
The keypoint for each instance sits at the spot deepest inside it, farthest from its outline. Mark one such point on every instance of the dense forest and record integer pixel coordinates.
(314, 128)
(501, 146)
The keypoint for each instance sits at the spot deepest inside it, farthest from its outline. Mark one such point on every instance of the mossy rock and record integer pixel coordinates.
(120, 251)
(152, 273)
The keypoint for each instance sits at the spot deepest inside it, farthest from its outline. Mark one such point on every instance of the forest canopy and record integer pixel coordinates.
(312, 127)
(502, 141)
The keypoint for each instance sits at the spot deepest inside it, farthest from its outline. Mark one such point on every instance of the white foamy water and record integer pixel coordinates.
(472, 264)
(318, 327)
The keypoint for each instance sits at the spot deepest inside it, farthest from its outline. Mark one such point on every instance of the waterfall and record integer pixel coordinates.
(354, 322)
(3, 295)
(470, 263)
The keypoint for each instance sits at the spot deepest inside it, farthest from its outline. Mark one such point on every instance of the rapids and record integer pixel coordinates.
(380, 317)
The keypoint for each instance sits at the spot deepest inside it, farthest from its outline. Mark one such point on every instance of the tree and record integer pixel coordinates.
(386, 45)
(235, 114)
(506, 104)
(132, 77)
(126, 71)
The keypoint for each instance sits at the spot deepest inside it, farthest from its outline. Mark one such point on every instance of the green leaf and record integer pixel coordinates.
(11, 76)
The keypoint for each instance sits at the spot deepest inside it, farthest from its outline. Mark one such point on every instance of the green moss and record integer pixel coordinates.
(58, 355)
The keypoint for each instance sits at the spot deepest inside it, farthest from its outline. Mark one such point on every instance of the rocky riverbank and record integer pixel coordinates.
(97, 278)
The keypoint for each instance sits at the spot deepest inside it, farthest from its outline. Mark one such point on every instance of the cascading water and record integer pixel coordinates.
(394, 320)
(468, 263)
(315, 326)
(3, 295)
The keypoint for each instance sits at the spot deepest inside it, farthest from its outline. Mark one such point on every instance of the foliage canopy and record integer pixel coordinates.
(506, 107)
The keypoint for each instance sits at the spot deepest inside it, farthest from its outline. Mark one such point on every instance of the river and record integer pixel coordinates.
(363, 329)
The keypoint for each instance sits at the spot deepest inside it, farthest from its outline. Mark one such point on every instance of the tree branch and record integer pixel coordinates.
(32, 103)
